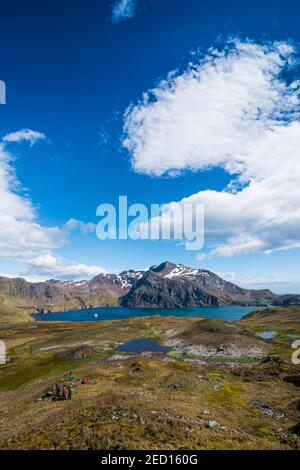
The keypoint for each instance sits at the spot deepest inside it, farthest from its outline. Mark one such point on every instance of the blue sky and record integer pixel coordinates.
(72, 70)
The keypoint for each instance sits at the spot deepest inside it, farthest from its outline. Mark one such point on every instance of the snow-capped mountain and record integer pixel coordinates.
(175, 285)
(118, 284)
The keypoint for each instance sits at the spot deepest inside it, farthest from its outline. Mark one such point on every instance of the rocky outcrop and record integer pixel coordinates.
(217, 339)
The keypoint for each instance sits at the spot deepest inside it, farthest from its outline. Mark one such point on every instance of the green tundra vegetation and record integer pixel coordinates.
(221, 386)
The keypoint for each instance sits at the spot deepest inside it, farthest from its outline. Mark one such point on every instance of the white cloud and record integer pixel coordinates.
(233, 110)
(22, 237)
(84, 227)
(20, 233)
(279, 283)
(24, 135)
(122, 10)
(49, 265)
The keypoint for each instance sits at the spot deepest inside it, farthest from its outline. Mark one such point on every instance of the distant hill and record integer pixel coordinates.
(18, 296)
(52, 295)
(274, 317)
(287, 300)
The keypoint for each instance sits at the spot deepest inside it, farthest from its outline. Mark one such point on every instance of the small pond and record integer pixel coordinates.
(293, 336)
(139, 345)
(266, 334)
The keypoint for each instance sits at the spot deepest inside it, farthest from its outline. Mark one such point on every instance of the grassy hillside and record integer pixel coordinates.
(178, 401)
(20, 295)
(279, 317)
(9, 313)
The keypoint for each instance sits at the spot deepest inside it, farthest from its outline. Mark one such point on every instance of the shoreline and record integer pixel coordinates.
(195, 312)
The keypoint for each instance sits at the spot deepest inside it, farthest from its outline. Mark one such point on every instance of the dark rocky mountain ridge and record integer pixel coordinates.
(171, 285)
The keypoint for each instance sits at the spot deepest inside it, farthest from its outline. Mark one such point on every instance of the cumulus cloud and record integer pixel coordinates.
(122, 10)
(24, 135)
(20, 232)
(84, 227)
(49, 265)
(235, 109)
(22, 237)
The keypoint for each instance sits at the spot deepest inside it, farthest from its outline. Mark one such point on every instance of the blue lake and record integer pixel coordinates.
(267, 334)
(139, 345)
(229, 312)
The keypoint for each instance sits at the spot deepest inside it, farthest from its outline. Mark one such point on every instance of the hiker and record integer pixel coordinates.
(57, 389)
(71, 376)
(65, 393)
(61, 391)
(70, 392)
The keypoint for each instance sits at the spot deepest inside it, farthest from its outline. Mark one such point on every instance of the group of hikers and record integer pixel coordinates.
(64, 391)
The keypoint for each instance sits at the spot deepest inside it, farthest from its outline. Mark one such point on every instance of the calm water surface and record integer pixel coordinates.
(266, 334)
(231, 313)
(139, 345)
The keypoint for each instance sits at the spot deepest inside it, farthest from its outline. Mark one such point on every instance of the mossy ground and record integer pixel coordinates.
(156, 402)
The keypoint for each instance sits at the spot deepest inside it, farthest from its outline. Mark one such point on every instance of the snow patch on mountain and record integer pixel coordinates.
(181, 270)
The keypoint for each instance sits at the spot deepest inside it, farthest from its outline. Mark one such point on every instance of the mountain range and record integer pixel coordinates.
(167, 285)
